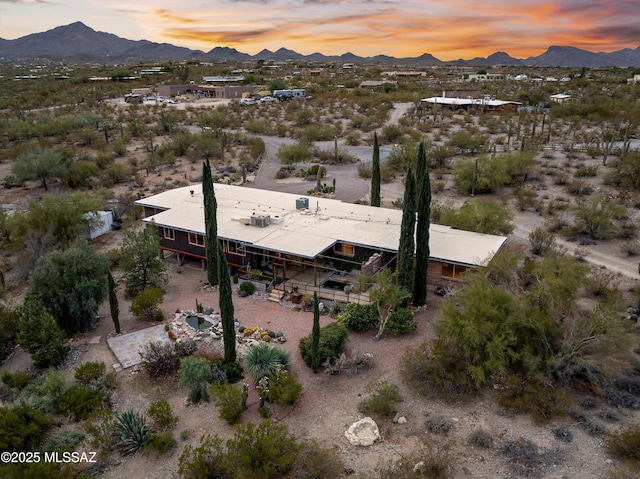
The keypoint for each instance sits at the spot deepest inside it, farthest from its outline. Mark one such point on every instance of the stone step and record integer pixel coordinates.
(275, 296)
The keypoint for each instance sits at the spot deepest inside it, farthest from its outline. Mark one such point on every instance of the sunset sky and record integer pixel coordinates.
(448, 29)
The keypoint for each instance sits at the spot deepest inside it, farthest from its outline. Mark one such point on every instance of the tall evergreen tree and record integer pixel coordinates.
(315, 334)
(226, 308)
(375, 172)
(422, 229)
(211, 223)
(406, 249)
(113, 302)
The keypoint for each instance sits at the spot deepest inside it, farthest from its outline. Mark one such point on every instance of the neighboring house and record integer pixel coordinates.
(223, 91)
(285, 235)
(635, 79)
(474, 104)
(560, 97)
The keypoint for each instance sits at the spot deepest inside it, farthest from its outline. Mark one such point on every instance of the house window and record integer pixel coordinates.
(453, 271)
(169, 234)
(236, 248)
(196, 239)
(345, 249)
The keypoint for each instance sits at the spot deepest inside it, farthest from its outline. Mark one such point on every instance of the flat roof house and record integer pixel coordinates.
(317, 243)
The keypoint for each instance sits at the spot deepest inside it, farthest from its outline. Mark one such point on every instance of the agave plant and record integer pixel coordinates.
(263, 360)
(133, 430)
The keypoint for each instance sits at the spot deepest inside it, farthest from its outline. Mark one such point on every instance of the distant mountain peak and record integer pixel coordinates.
(82, 43)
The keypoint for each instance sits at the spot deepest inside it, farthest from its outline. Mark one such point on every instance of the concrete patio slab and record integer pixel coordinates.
(127, 347)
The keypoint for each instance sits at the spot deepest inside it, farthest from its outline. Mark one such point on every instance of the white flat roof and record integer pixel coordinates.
(308, 232)
(467, 101)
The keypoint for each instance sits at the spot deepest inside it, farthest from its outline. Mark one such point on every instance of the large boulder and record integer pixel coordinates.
(363, 432)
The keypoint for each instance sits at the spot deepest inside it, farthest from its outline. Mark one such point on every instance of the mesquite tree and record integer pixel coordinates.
(422, 229)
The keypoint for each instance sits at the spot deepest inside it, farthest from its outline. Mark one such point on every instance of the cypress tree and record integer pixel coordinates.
(422, 229)
(315, 334)
(375, 173)
(113, 302)
(406, 248)
(226, 308)
(211, 223)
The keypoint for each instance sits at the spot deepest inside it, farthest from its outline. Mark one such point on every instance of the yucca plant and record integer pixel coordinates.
(264, 361)
(134, 432)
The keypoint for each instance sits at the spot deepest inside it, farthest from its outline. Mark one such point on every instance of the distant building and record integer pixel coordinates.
(221, 91)
(487, 104)
(560, 97)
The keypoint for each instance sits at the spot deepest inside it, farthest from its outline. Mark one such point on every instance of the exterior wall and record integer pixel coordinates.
(180, 244)
(435, 277)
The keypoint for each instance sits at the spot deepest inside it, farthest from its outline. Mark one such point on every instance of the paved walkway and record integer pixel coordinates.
(127, 347)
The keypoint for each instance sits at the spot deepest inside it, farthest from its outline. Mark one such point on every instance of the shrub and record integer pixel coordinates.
(228, 398)
(434, 461)
(435, 369)
(401, 322)
(204, 461)
(87, 372)
(162, 442)
(319, 462)
(22, 428)
(624, 444)
(284, 387)
(563, 433)
(265, 412)
(195, 373)
(65, 440)
(247, 288)
(145, 305)
(332, 339)
(185, 348)
(384, 399)
(160, 359)
(266, 451)
(17, 379)
(263, 360)
(526, 459)
(438, 424)
(359, 317)
(541, 241)
(133, 430)
(532, 396)
(80, 402)
(233, 371)
(481, 438)
(162, 415)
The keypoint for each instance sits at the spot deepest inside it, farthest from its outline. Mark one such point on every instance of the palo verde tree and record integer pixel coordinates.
(422, 228)
(40, 164)
(141, 262)
(387, 293)
(375, 172)
(71, 285)
(211, 223)
(406, 248)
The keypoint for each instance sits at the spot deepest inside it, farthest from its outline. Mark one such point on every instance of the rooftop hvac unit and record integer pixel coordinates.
(302, 203)
(260, 220)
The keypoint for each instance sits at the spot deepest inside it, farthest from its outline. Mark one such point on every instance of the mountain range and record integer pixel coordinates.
(79, 43)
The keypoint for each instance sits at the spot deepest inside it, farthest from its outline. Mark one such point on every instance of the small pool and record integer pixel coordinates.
(193, 322)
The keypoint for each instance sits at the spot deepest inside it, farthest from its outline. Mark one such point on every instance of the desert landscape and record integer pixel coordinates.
(565, 162)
